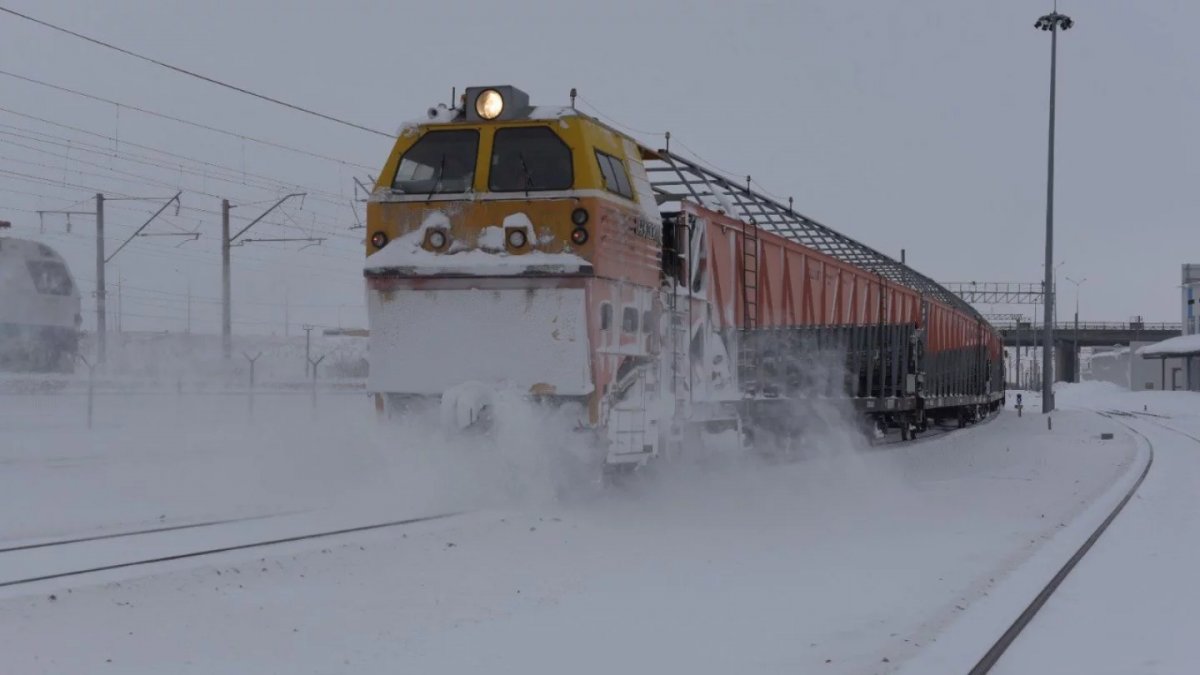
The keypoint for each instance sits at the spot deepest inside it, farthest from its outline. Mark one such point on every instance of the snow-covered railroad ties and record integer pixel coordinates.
(537, 251)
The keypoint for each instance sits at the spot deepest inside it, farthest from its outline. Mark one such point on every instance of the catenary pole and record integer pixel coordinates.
(227, 241)
(101, 316)
(226, 310)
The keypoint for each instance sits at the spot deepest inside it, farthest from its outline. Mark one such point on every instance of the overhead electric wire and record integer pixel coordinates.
(57, 183)
(181, 120)
(232, 175)
(41, 196)
(196, 75)
(138, 177)
(233, 171)
(613, 121)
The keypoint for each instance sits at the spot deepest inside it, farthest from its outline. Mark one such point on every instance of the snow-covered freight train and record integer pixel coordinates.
(39, 308)
(539, 250)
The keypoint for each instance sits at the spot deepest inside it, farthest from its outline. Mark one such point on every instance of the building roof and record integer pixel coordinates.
(1183, 345)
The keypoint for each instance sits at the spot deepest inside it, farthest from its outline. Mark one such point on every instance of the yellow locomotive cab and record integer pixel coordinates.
(495, 232)
(530, 180)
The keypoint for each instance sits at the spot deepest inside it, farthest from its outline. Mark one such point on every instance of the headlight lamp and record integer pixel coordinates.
(489, 104)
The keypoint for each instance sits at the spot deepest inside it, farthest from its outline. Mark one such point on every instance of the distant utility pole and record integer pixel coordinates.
(120, 305)
(227, 241)
(1075, 350)
(226, 310)
(101, 308)
(188, 326)
(307, 347)
(1052, 22)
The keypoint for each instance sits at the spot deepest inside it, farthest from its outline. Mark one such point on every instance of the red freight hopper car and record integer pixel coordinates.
(810, 315)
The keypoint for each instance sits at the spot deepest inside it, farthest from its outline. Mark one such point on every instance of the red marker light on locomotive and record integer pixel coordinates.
(579, 236)
(379, 240)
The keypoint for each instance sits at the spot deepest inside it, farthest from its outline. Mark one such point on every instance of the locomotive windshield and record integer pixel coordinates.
(50, 277)
(529, 158)
(441, 161)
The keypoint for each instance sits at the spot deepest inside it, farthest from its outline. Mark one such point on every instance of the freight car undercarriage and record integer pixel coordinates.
(883, 372)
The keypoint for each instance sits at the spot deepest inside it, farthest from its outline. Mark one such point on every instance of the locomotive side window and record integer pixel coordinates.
(647, 321)
(440, 161)
(605, 316)
(529, 158)
(50, 277)
(629, 320)
(616, 179)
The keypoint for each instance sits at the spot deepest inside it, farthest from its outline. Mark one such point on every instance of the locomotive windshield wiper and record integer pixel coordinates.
(528, 173)
(437, 180)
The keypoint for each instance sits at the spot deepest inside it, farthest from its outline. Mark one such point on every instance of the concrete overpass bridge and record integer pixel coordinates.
(1068, 338)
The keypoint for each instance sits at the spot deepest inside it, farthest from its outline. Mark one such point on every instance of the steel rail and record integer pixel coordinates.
(993, 654)
(132, 533)
(226, 549)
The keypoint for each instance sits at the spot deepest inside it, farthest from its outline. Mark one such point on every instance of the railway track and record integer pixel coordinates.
(996, 651)
(201, 552)
(135, 533)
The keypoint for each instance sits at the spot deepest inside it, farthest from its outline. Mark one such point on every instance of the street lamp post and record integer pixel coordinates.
(1076, 331)
(1052, 22)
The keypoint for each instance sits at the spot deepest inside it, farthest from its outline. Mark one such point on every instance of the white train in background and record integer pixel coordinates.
(39, 308)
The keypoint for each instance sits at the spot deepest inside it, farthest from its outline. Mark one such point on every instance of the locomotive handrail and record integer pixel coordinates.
(699, 182)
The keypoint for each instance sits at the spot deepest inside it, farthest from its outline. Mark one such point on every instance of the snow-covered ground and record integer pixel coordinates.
(1131, 604)
(850, 560)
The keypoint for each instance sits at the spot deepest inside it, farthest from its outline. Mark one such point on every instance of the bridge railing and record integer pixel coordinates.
(1094, 325)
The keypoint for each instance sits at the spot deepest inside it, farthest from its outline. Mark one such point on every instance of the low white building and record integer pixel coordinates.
(1165, 365)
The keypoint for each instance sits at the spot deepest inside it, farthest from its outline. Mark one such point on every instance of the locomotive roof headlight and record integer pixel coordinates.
(379, 240)
(579, 216)
(495, 102)
(489, 104)
(517, 238)
(579, 236)
(436, 239)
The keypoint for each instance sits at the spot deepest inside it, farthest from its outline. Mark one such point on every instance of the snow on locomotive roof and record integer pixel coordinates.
(1183, 345)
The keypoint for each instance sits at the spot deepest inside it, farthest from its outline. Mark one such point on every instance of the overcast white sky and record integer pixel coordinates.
(917, 125)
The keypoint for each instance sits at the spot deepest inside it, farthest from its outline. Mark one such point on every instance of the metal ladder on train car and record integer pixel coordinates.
(748, 354)
(678, 323)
